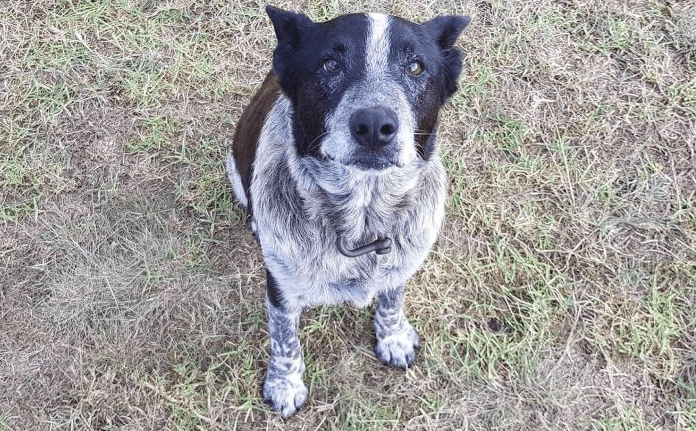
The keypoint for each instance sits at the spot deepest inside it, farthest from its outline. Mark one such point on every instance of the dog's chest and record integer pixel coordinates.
(324, 276)
(302, 206)
(298, 237)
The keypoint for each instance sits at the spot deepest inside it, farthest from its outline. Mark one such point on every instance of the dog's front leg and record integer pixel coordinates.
(283, 389)
(397, 341)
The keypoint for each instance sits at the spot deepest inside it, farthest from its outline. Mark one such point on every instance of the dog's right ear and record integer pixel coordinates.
(290, 27)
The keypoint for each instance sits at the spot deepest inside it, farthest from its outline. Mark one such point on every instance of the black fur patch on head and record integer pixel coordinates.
(299, 61)
(316, 62)
(430, 44)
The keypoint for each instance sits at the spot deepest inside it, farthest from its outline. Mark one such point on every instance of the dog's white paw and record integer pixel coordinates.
(398, 349)
(285, 394)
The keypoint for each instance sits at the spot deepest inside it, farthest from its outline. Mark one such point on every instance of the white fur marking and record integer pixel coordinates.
(378, 44)
(398, 349)
(236, 181)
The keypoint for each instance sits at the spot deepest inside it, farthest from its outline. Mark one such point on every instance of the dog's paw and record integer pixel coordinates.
(284, 394)
(398, 349)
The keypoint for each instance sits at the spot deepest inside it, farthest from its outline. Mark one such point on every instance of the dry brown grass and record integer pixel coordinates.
(560, 296)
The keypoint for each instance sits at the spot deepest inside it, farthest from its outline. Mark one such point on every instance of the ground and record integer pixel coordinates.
(561, 294)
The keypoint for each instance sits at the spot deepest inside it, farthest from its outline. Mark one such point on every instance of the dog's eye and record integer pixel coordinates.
(415, 68)
(330, 65)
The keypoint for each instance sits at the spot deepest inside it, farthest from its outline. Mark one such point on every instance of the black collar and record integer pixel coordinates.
(380, 246)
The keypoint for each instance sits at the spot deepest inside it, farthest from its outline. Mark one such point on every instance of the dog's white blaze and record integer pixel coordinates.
(378, 43)
(377, 65)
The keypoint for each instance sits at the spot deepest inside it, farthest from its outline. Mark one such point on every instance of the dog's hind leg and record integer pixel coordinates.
(397, 341)
(283, 389)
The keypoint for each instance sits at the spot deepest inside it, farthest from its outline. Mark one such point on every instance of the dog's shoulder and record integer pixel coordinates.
(246, 136)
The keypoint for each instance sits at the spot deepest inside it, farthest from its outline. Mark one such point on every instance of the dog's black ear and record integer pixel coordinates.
(289, 26)
(289, 29)
(446, 29)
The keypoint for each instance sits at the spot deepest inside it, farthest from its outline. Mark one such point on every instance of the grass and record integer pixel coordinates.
(561, 294)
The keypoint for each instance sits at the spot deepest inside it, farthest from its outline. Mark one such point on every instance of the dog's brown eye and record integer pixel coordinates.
(330, 65)
(415, 68)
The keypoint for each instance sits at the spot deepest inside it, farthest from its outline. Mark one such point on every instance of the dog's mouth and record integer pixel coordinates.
(372, 163)
(367, 162)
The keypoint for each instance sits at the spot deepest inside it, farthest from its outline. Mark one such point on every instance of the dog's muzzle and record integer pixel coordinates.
(374, 128)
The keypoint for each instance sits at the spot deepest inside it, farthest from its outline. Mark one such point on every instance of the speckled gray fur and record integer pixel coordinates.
(397, 341)
(283, 388)
(303, 204)
(298, 236)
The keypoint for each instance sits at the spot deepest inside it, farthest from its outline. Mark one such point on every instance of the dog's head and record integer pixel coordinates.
(366, 90)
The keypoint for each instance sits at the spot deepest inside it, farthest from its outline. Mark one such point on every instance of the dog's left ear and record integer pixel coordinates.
(446, 29)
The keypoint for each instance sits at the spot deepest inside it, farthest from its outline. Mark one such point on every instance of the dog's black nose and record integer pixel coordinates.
(374, 127)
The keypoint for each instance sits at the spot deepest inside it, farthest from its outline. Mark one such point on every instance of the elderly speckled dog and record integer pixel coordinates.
(335, 160)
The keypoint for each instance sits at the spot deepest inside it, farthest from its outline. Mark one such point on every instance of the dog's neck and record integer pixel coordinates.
(361, 206)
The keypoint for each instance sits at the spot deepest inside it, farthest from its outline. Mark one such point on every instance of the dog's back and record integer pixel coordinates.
(246, 138)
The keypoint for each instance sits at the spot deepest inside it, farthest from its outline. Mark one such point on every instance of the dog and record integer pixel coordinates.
(336, 163)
